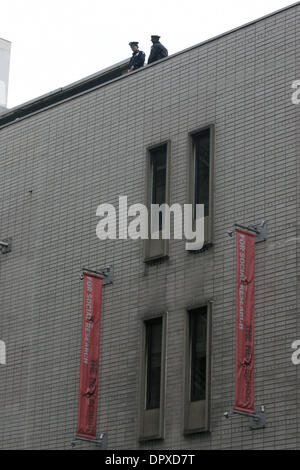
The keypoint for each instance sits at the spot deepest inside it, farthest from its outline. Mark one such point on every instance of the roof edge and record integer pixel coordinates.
(106, 76)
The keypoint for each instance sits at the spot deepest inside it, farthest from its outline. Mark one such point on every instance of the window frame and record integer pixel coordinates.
(151, 421)
(199, 410)
(208, 222)
(156, 249)
(148, 360)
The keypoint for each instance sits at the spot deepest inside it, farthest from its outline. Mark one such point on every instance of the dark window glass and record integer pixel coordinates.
(153, 363)
(201, 146)
(159, 176)
(198, 337)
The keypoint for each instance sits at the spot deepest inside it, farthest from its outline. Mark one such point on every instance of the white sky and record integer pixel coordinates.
(56, 42)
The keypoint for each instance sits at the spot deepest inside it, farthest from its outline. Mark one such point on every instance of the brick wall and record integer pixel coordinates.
(58, 165)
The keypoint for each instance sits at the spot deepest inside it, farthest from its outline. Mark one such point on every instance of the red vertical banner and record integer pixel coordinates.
(89, 361)
(244, 363)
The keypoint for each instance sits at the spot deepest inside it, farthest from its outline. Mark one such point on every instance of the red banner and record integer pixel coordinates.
(89, 362)
(244, 363)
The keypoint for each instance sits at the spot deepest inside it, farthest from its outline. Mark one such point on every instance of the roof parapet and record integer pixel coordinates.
(61, 94)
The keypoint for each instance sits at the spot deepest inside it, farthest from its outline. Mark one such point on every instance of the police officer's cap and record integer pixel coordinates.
(133, 43)
(155, 37)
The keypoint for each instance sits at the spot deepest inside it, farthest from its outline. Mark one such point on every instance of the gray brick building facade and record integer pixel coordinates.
(61, 158)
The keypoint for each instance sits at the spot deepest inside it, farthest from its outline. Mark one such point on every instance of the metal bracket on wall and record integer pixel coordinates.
(257, 419)
(107, 273)
(100, 441)
(259, 228)
(5, 246)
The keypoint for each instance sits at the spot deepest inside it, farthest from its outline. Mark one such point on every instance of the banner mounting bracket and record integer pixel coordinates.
(259, 228)
(107, 272)
(5, 246)
(257, 420)
(100, 441)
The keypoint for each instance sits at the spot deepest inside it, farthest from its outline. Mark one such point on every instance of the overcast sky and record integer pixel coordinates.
(56, 42)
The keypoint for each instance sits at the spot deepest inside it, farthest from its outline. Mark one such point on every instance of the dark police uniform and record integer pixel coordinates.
(137, 60)
(158, 51)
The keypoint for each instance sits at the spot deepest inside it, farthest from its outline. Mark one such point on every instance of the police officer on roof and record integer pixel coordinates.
(138, 57)
(158, 51)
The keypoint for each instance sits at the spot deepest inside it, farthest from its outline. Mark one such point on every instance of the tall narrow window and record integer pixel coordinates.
(153, 379)
(157, 193)
(202, 176)
(197, 386)
(159, 174)
(198, 344)
(153, 366)
(201, 147)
